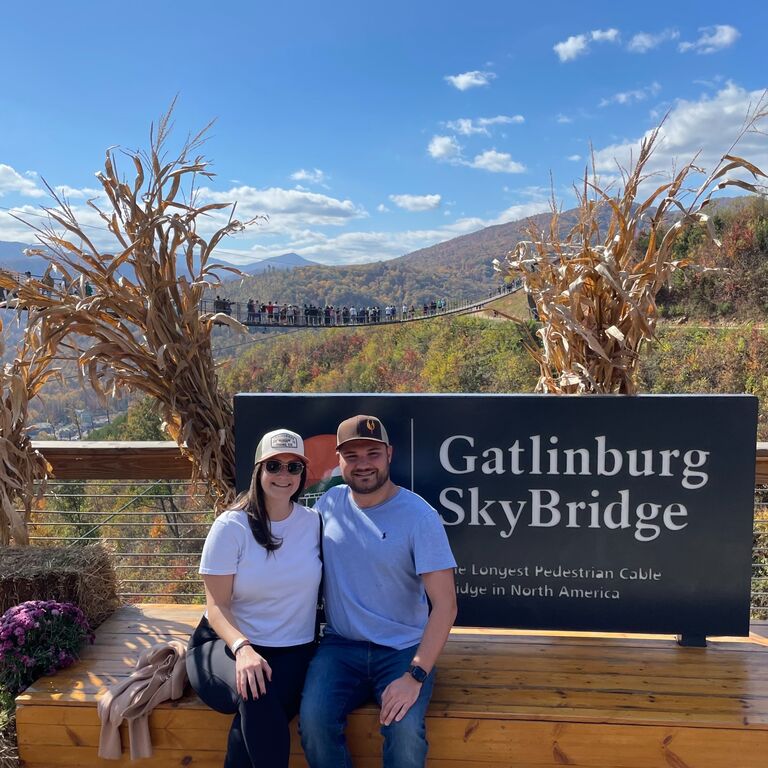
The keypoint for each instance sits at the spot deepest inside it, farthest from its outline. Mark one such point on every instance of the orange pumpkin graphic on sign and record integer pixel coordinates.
(323, 468)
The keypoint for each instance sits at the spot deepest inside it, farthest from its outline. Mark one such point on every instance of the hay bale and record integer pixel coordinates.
(80, 575)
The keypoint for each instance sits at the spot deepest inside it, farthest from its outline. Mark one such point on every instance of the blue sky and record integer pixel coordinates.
(367, 131)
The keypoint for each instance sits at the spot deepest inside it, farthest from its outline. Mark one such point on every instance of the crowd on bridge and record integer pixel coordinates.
(49, 285)
(287, 314)
(273, 313)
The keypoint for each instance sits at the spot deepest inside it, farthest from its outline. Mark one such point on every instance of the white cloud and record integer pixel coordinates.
(444, 148)
(381, 208)
(286, 211)
(92, 224)
(11, 181)
(14, 231)
(643, 42)
(632, 97)
(605, 35)
(521, 211)
(416, 202)
(564, 119)
(467, 126)
(578, 45)
(447, 149)
(353, 247)
(314, 176)
(468, 80)
(496, 162)
(289, 206)
(574, 158)
(705, 128)
(712, 39)
(716, 82)
(574, 46)
(85, 193)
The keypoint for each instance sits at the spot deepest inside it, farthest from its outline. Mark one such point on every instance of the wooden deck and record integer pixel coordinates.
(502, 698)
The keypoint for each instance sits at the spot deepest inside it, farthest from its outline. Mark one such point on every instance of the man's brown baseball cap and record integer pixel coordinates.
(361, 428)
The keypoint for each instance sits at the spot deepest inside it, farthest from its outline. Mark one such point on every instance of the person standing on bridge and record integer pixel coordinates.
(385, 552)
(261, 569)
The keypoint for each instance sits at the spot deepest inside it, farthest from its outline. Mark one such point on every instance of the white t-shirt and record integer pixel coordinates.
(274, 596)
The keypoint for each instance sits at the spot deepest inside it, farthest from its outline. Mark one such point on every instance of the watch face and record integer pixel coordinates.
(418, 674)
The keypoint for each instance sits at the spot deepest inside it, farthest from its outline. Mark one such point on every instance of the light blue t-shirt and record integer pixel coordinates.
(373, 559)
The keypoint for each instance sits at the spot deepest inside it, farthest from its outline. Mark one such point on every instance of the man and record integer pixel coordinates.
(385, 551)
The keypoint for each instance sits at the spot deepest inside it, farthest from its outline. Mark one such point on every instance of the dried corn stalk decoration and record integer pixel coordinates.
(595, 292)
(23, 470)
(139, 304)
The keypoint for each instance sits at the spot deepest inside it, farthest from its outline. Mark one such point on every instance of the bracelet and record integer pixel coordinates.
(238, 644)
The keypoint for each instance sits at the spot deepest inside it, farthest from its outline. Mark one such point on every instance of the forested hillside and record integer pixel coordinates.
(385, 282)
(443, 355)
(737, 289)
(470, 355)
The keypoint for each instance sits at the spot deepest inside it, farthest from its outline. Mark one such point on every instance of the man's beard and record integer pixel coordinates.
(368, 485)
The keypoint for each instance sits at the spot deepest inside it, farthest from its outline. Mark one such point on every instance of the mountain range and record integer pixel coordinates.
(460, 268)
(13, 259)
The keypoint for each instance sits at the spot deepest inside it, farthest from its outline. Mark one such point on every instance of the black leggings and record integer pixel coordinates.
(259, 735)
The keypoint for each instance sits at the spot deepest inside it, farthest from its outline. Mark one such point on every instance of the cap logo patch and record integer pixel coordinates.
(370, 425)
(284, 441)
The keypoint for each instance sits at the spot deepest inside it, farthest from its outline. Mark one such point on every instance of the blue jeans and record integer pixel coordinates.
(345, 674)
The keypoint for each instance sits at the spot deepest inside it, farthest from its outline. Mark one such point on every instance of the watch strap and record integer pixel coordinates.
(418, 673)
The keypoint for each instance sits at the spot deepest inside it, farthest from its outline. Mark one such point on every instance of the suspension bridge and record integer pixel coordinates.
(285, 315)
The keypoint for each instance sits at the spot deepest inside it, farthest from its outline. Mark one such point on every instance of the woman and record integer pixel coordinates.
(261, 569)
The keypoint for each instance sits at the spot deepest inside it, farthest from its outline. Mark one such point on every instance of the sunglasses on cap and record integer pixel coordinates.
(273, 466)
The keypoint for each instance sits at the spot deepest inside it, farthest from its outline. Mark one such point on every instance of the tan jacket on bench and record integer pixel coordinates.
(160, 675)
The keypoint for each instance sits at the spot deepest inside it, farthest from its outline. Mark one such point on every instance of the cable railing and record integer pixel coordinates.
(155, 529)
(151, 535)
(760, 555)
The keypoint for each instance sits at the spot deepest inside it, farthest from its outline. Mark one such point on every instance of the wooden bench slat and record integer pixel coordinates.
(94, 681)
(719, 674)
(469, 741)
(109, 671)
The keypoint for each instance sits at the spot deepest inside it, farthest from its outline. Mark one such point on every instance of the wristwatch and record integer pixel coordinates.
(417, 673)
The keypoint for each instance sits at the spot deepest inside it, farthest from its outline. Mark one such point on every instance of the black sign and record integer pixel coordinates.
(598, 513)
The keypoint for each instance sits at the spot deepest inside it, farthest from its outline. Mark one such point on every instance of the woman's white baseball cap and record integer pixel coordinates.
(279, 441)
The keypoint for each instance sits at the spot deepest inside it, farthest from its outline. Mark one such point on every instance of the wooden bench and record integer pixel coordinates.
(516, 699)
